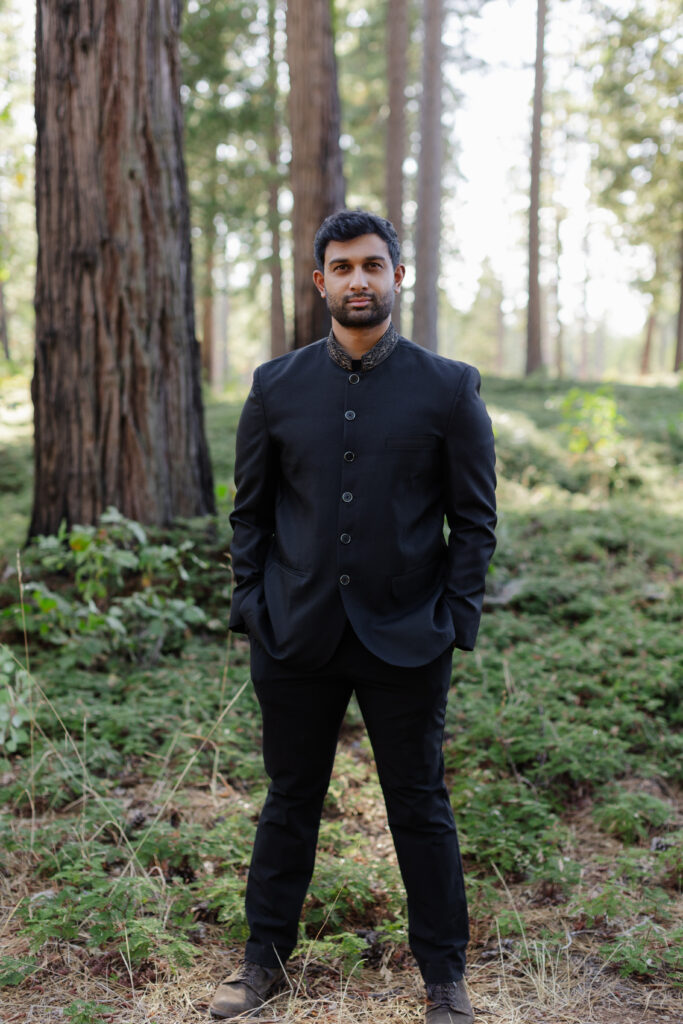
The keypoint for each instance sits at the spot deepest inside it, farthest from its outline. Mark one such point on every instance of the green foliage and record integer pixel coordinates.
(86, 1011)
(16, 704)
(14, 970)
(632, 816)
(122, 603)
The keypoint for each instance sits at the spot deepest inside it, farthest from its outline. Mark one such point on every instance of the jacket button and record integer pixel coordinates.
(347, 496)
(353, 378)
(344, 580)
(345, 538)
(349, 414)
(349, 456)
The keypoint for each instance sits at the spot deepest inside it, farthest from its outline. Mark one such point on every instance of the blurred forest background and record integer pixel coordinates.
(606, 262)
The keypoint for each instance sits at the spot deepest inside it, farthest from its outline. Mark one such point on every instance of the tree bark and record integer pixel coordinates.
(207, 345)
(278, 338)
(428, 225)
(317, 172)
(534, 356)
(397, 70)
(116, 385)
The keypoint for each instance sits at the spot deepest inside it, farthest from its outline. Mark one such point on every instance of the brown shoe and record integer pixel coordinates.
(448, 1003)
(243, 994)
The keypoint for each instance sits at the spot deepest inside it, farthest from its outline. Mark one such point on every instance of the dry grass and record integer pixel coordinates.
(520, 981)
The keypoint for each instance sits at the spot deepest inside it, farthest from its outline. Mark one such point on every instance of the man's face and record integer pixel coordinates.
(359, 283)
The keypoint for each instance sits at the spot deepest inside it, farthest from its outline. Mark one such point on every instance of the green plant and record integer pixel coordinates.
(85, 1011)
(631, 815)
(16, 704)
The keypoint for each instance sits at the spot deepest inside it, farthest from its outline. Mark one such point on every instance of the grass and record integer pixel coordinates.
(130, 767)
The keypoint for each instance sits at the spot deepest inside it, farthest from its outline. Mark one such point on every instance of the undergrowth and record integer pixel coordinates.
(130, 740)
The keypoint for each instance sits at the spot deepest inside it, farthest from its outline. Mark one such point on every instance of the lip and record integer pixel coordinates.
(359, 302)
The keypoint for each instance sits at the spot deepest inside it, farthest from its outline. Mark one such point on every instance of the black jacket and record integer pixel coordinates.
(343, 482)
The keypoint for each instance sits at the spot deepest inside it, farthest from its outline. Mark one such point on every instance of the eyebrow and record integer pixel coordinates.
(366, 259)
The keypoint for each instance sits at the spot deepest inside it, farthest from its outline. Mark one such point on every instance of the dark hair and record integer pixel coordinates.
(348, 224)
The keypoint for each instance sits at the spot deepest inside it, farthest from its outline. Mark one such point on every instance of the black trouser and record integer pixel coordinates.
(404, 711)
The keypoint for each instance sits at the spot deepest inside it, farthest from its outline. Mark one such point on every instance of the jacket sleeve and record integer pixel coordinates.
(253, 516)
(470, 507)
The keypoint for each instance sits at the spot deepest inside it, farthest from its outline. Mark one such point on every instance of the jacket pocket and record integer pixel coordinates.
(414, 442)
(418, 583)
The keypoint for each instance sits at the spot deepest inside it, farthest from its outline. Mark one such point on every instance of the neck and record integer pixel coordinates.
(356, 341)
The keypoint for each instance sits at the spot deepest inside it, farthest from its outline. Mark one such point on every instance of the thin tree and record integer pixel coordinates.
(317, 177)
(278, 342)
(4, 334)
(534, 357)
(397, 60)
(116, 386)
(428, 220)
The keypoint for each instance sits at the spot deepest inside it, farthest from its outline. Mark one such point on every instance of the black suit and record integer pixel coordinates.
(344, 582)
(342, 489)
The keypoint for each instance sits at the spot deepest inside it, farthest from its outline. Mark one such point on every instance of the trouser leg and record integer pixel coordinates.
(404, 711)
(302, 714)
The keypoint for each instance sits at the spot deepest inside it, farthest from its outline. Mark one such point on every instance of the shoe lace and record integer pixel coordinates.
(443, 994)
(248, 972)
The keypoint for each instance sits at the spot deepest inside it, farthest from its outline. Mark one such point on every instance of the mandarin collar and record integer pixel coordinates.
(380, 351)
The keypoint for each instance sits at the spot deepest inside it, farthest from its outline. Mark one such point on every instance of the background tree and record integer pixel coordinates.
(428, 224)
(534, 356)
(116, 389)
(317, 178)
(397, 73)
(638, 121)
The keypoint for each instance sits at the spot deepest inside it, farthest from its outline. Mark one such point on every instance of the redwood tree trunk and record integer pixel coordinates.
(317, 173)
(428, 227)
(397, 69)
(534, 357)
(116, 386)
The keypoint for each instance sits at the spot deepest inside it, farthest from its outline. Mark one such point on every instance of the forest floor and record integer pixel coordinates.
(130, 775)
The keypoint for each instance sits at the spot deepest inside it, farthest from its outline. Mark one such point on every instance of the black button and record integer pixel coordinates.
(347, 496)
(349, 456)
(345, 538)
(353, 378)
(350, 414)
(344, 580)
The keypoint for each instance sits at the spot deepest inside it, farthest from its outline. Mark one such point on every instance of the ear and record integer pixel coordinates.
(399, 274)
(319, 281)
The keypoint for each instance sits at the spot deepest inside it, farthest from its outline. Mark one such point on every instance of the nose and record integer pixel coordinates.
(358, 279)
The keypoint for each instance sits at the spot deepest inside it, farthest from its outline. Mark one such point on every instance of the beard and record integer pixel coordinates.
(379, 307)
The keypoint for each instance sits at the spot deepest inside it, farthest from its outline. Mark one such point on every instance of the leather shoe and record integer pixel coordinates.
(245, 991)
(448, 1003)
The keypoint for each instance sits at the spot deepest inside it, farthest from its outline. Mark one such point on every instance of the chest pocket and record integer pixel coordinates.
(412, 442)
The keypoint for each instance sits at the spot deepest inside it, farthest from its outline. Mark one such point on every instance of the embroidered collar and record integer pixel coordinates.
(380, 351)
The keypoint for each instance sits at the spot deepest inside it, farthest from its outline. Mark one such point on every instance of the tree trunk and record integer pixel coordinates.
(4, 333)
(116, 385)
(678, 354)
(207, 345)
(278, 339)
(646, 355)
(534, 357)
(428, 226)
(397, 69)
(317, 173)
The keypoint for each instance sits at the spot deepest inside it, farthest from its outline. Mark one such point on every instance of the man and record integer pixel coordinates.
(350, 453)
